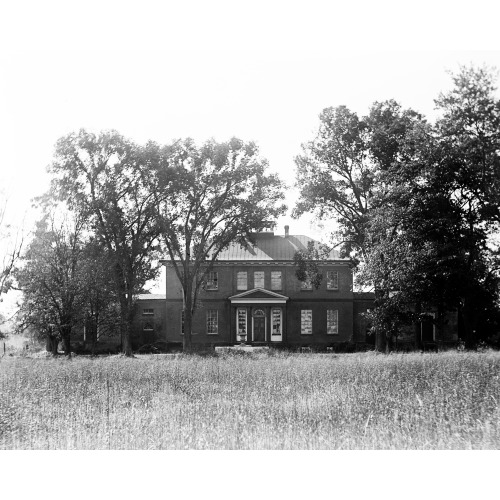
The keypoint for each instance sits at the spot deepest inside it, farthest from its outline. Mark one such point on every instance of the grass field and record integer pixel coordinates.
(266, 401)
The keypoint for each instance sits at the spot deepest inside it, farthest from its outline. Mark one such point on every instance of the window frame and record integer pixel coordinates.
(335, 280)
(213, 278)
(280, 321)
(150, 325)
(148, 311)
(280, 280)
(238, 273)
(243, 309)
(302, 318)
(306, 286)
(263, 279)
(210, 311)
(335, 322)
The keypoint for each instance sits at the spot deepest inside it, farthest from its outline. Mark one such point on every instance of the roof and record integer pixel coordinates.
(151, 296)
(269, 246)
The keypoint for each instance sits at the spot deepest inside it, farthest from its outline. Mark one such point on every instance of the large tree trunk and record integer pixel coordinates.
(66, 345)
(187, 345)
(51, 344)
(380, 336)
(469, 337)
(126, 344)
(66, 340)
(126, 313)
(418, 328)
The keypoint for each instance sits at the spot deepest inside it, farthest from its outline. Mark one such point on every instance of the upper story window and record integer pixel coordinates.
(258, 279)
(241, 280)
(306, 285)
(276, 280)
(332, 280)
(212, 281)
(148, 312)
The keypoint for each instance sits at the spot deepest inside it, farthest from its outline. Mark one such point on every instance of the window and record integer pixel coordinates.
(241, 280)
(148, 312)
(332, 322)
(183, 316)
(275, 280)
(242, 321)
(276, 322)
(306, 285)
(212, 281)
(148, 327)
(212, 322)
(332, 280)
(258, 279)
(306, 321)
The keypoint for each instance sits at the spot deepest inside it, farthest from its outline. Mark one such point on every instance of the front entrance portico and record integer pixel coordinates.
(260, 316)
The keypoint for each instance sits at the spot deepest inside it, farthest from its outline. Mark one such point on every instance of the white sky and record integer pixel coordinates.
(257, 70)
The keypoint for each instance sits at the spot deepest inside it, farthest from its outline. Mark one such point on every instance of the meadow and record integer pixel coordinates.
(259, 401)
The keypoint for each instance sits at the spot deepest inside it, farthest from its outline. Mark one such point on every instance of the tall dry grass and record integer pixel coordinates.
(277, 401)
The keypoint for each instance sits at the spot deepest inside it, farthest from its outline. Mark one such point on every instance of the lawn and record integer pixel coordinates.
(265, 401)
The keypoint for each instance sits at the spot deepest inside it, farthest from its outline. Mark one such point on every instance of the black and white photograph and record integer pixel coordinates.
(249, 248)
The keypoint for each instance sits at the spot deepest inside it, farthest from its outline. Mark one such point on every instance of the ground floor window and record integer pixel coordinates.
(276, 321)
(306, 321)
(332, 322)
(242, 321)
(212, 322)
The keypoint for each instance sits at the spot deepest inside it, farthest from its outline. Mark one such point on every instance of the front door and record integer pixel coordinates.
(259, 326)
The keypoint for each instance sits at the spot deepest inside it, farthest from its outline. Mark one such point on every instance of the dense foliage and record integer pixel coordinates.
(416, 205)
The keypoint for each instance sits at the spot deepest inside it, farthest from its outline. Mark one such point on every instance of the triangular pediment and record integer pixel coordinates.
(258, 294)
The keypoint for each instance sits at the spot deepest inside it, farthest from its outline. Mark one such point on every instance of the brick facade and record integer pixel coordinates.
(268, 303)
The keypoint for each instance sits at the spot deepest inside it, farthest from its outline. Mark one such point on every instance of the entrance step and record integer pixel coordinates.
(242, 348)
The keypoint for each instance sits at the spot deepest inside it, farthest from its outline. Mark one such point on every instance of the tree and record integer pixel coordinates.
(433, 231)
(469, 146)
(346, 174)
(99, 300)
(219, 194)
(51, 280)
(11, 248)
(336, 178)
(104, 178)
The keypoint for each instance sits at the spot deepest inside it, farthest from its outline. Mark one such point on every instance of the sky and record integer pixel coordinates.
(260, 70)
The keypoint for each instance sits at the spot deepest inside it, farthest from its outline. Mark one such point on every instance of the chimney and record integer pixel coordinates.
(287, 228)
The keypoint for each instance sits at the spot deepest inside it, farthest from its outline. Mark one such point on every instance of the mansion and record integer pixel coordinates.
(253, 295)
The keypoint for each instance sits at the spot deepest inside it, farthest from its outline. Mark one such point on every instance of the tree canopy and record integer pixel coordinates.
(219, 193)
(104, 178)
(416, 203)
